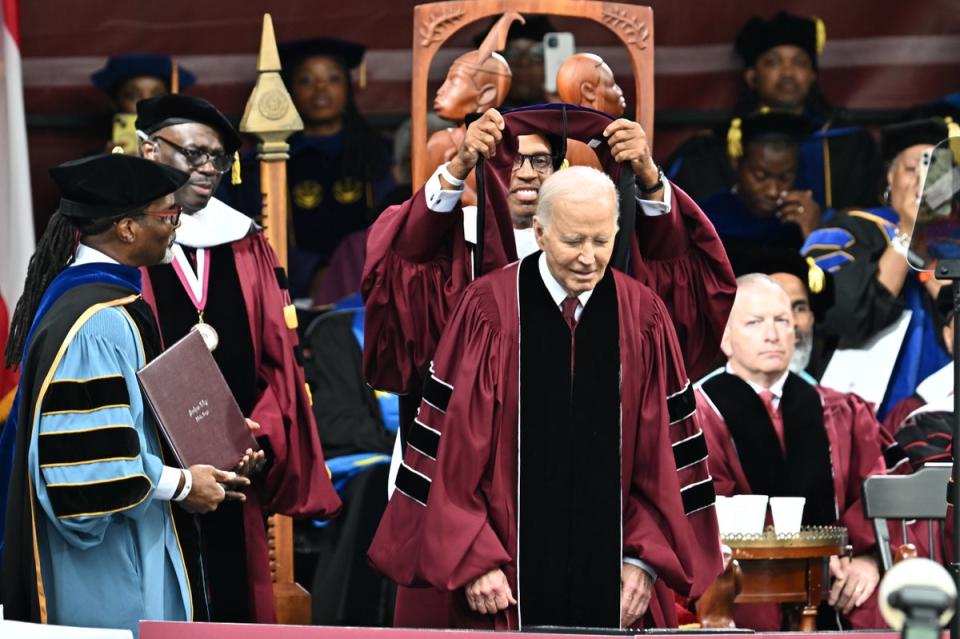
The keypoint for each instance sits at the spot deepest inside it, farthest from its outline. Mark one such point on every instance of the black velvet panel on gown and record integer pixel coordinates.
(221, 532)
(570, 508)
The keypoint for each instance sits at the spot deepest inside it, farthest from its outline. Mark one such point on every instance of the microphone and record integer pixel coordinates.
(917, 596)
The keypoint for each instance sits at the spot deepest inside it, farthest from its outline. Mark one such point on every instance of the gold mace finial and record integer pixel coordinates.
(270, 114)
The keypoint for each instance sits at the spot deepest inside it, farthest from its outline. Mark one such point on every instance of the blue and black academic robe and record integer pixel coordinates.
(850, 249)
(839, 164)
(738, 228)
(86, 543)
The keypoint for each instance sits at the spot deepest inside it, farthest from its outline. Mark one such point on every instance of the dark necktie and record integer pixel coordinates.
(569, 309)
(766, 396)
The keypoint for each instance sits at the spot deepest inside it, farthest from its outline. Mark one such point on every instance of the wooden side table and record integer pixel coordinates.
(791, 568)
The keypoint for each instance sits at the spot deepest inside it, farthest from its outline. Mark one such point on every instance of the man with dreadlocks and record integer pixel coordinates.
(89, 520)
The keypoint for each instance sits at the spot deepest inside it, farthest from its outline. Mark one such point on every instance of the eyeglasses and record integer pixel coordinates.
(196, 158)
(539, 162)
(172, 215)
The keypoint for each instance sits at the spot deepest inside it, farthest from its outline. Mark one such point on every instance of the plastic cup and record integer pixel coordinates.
(726, 516)
(751, 512)
(787, 514)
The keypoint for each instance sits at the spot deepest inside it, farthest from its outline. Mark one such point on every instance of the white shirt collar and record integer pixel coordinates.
(213, 225)
(938, 387)
(776, 388)
(556, 290)
(89, 255)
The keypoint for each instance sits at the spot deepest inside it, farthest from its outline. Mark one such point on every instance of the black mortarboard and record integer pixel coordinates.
(758, 36)
(897, 137)
(120, 68)
(154, 114)
(766, 123)
(349, 54)
(105, 186)
(769, 260)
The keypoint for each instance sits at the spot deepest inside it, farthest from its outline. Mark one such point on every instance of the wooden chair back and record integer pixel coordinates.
(435, 22)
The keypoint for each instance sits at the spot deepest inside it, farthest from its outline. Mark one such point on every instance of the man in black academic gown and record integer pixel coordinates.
(781, 56)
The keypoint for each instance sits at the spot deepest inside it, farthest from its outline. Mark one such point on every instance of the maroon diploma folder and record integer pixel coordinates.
(194, 407)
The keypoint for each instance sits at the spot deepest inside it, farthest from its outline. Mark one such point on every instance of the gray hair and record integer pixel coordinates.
(582, 184)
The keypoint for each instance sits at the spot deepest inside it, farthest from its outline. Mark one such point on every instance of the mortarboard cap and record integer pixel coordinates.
(897, 137)
(765, 123)
(758, 36)
(105, 186)
(120, 68)
(770, 260)
(154, 114)
(349, 54)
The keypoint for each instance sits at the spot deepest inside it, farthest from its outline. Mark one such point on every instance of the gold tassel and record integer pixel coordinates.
(821, 34)
(174, 77)
(565, 164)
(816, 279)
(117, 149)
(309, 393)
(735, 138)
(363, 75)
(235, 169)
(290, 316)
(953, 135)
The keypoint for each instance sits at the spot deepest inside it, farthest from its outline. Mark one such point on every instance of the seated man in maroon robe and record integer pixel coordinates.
(225, 282)
(601, 503)
(771, 433)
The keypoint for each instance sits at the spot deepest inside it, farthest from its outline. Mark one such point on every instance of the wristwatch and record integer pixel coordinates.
(901, 243)
(656, 186)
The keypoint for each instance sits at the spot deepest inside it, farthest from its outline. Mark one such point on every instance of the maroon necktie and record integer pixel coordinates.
(766, 396)
(569, 309)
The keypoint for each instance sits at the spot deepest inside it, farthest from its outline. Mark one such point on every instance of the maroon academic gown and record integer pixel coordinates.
(856, 452)
(419, 263)
(467, 522)
(296, 482)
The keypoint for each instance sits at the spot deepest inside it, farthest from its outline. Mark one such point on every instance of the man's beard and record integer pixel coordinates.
(167, 256)
(802, 352)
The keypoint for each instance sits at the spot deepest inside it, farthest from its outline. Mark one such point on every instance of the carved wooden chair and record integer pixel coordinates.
(435, 22)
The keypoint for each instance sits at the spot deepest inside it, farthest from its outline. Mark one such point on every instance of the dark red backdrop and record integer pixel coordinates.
(879, 54)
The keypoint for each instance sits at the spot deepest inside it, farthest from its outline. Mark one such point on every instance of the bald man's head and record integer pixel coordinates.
(759, 338)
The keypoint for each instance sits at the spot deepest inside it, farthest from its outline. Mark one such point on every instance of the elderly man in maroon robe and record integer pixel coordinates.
(225, 282)
(771, 433)
(420, 255)
(556, 472)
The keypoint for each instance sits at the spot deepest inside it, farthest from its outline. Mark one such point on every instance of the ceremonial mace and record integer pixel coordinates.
(271, 116)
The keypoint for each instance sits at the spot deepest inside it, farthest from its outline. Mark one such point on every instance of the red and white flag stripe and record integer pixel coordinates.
(16, 210)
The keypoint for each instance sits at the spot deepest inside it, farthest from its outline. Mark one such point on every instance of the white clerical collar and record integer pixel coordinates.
(556, 290)
(213, 225)
(938, 387)
(89, 255)
(776, 388)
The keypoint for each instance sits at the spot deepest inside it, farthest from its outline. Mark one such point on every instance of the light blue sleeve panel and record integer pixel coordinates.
(92, 455)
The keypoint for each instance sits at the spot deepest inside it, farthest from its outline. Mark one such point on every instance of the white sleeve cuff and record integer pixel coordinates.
(440, 200)
(642, 565)
(167, 485)
(653, 208)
